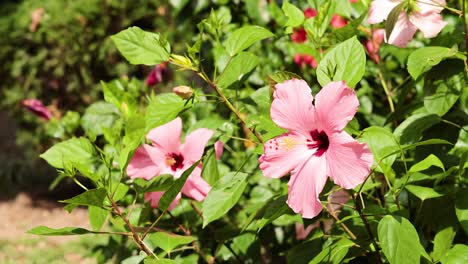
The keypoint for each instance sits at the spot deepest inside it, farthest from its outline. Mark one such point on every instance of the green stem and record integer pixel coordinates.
(387, 91)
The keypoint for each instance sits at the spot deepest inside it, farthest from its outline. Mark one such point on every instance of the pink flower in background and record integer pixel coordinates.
(353, 1)
(157, 74)
(422, 14)
(219, 149)
(310, 12)
(315, 145)
(167, 155)
(338, 21)
(373, 45)
(299, 35)
(303, 60)
(37, 107)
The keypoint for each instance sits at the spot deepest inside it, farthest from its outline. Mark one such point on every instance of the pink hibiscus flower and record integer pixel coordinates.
(338, 21)
(167, 155)
(303, 60)
(37, 107)
(422, 14)
(373, 45)
(316, 145)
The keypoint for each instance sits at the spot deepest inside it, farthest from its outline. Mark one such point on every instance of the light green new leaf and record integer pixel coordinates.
(345, 62)
(168, 242)
(382, 143)
(223, 196)
(66, 231)
(237, 69)
(141, 47)
(423, 59)
(245, 37)
(94, 197)
(76, 152)
(210, 171)
(399, 240)
(164, 108)
(333, 254)
(457, 255)
(443, 242)
(423, 193)
(295, 15)
(151, 260)
(97, 216)
(431, 160)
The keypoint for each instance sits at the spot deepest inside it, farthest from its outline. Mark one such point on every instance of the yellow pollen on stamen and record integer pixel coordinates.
(170, 161)
(288, 143)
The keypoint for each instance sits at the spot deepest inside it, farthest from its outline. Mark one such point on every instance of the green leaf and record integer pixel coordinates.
(410, 131)
(457, 255)
(76, 152)
(272, 211)
(164, 108)
(210, 171)
(115, 94)
(423, 59)
(168, 242)
(431, 160)
(423, 193)
(175, 188)
(94, 197)
(98, 116)
(350, 30)
(97, 216)
(279, 77)
(237, 69)
(66, 231)
(295, 15)
(392, 18)
(345, 62)
(334, 253)
(245, 37)
(443, 86)
(141, 47)
(399, 240)
(156, 184)
(151, 260)
(223, 196)
(382, 143)
(119, 192)
(461, 208)
(443, 242)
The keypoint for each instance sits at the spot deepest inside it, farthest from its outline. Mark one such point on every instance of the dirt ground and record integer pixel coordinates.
(23, 213)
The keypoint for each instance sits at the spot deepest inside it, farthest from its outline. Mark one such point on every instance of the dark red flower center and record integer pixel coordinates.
(319, 141)
(175, 161)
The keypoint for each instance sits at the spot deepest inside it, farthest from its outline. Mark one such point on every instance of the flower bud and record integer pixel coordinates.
(183, 91)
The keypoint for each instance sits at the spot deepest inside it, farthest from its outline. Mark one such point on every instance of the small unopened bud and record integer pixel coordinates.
(183, 91)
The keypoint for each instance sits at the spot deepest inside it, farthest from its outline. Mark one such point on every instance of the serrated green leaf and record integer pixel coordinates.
(66, 231)
(97, 116)
(443, 242)
(164, 108)
(94, 197)
(76, 152)
(141, 47)
(168, 242)
(345, 62)
(237, 69)
(295, 15)
(423, 59)
(245, 37)
(457, 255)
(223, 196)
(399, 240)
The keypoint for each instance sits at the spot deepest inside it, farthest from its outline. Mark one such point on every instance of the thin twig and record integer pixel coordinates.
(343, 225)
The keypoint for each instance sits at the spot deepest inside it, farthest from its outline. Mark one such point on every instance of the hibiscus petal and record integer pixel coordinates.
(154, 197)
(145, 163)
(425, 6)
(167, 136)
(379, 10)
(282, 154)
(348, 161)
(195, 143)
(335, 106)
(403, 32)
(305, 185)
(196, 187)
(292, 107)
(430, 23)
